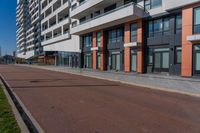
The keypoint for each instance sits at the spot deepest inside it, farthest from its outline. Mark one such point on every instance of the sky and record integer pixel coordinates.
(8, 26)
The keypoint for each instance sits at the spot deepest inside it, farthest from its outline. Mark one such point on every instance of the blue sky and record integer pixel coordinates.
(7, 26)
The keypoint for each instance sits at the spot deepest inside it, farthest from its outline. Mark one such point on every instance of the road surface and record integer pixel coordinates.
(67, 103)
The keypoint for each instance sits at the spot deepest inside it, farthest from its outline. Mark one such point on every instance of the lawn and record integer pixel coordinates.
(8, 122)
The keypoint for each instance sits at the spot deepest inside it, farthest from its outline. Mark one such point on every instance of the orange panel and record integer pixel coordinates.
(140, 56)
(187, 26)
(127, 51)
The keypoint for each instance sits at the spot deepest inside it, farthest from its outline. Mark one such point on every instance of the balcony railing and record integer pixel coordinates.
(111, 11)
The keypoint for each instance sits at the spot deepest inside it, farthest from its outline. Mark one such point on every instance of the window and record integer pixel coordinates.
(129, 1)
(178, 55)
(83, 19)
(87, 41)
(133, 32)
(150, 28)
(109, 8)
(150, 4)
(158, 25)
(98, 39)
(197, 20)
(115, 35)
(178, 23)
(166, 26)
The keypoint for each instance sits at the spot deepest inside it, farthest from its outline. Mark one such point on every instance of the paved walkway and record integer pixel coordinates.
(178, 84)
(68, 103)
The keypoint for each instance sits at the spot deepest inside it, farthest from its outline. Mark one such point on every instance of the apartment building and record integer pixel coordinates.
(28, 25)
(142, 36)
(60, 47)
(21, 17)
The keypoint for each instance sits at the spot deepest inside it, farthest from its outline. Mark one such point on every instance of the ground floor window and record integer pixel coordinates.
(161, 59)
(98, 60)
(115, 61)
(196, 59)
(67, 59)
(178, 55)
(88, 60)
(158, 59)
(134, 60)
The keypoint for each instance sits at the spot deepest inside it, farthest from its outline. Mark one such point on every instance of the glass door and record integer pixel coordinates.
(161, 60)
(115, 62)
(197, 59)
(98, 60)
(133, 60)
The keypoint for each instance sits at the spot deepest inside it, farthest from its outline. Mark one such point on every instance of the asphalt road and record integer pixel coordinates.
(67, 103)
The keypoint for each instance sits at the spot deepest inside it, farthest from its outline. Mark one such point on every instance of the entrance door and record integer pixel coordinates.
(197, 59)
(161, 60)
(115, 62)
(133, 60)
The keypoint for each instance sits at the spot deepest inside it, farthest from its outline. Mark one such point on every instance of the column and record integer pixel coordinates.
(94, 52)
(140, 54)
(127, 50)
(103, 52)
(187, 26)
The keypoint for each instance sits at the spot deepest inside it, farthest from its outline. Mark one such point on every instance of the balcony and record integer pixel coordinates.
(117, 16)
(84, 8)
(173, 4)
(56, 39)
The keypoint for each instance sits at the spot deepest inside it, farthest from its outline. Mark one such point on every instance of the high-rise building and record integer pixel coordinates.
(21, 21)
(28, 29)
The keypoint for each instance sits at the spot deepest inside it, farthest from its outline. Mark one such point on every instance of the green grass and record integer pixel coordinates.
(8, 122)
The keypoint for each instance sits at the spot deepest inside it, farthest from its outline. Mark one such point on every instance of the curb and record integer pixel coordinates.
(26, 120)
(20, 122)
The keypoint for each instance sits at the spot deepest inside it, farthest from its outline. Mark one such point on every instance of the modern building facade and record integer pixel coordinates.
(143, 36)
(60, 47)
(139, 36)
(21, 20)
(28, 29)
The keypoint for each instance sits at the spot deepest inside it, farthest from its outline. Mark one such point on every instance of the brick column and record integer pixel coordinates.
(187, 26)
(127, 50)
(94, 53)
(140, 54)
(103, 52)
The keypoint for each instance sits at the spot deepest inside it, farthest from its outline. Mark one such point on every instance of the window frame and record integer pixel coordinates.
(195, 25)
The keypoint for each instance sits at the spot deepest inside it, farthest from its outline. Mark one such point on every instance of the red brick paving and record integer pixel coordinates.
(66, 103)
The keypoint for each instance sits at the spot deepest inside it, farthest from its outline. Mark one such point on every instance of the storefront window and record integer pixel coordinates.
(87, 61)
(197, 20)
(197, 59)
(178, 53)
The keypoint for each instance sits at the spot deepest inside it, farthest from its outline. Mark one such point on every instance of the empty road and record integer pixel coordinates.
(67, 103)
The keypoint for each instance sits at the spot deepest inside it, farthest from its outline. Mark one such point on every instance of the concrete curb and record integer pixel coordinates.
(16, 113)
(124, 82)
(25, 116)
